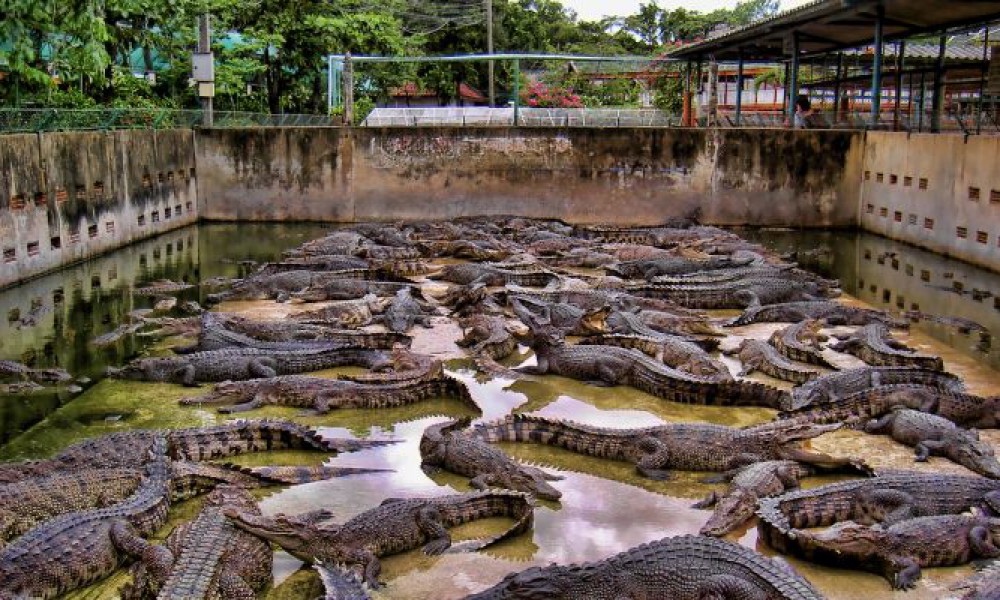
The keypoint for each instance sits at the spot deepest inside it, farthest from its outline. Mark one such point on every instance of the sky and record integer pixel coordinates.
(590, 10)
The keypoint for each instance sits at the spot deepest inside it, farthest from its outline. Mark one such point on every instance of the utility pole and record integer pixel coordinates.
(206, 92)
(489, 50)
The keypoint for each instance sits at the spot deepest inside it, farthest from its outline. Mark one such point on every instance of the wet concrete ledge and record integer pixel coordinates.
(640, 176)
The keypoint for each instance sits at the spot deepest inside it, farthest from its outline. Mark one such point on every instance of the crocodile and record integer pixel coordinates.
(890, 498)
(205, 558)
(679, 568)
(323, 395)
(341, 584)
(682, 446)
(800, 342)
(130, 449)
(447, 446)
(402, 366)
(832, 386)
(857, 408)
(285, 331)
(874, 344)
(162, 287)
(214, 335)
(487, 335)
(404, 312)
(676, 265)
(79, 548)
(834, 313)
(724, 275)
(278, 286)
(931, 434)
(741, 294)
(675, 352)
(679, 324)
(344, 313)
(566, 317)
(10, 369)
(242, 363)
(348, 289)
(337, 242)
(612, 365)
(320, 262)
(737, 505)
(467, 273)
(898, 552)
(397, 525)
(758, 355)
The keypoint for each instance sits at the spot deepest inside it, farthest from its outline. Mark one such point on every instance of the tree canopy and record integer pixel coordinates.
(270, 53)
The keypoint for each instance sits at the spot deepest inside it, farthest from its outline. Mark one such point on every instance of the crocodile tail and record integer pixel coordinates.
(519, 506)
(453, 388)
(752, 393)
(292, 475)
(239, 437)
(340, 583)
(793, 429)
(582, 439)
(748, 317)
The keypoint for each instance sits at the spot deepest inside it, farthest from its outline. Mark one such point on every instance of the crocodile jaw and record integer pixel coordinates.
(294, 539)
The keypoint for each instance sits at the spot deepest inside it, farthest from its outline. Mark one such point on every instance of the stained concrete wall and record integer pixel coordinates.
(940, 192)
(66, 197)
(624, 176)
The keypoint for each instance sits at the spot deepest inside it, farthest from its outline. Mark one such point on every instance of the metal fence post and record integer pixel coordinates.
(517, 89)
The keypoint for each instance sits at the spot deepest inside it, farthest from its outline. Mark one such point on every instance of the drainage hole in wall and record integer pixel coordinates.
(9, 255)
(893, 179)
(928, 223)
(17, 202)
(897, 216)
(166, 213)
(974, 194)
(907, 181)
(33, 248)
(141, 220)
(962, 232)
(92, 231)
(55, 243)
(81, 192)
(922, 184)
(109, 226)
(982, 237)
(925, 275)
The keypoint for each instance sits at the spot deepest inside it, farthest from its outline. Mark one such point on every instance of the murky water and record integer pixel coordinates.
(605, 508)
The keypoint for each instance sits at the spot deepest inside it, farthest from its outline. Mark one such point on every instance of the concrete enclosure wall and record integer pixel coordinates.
(66, 197)
(623, 176)
(940, 192)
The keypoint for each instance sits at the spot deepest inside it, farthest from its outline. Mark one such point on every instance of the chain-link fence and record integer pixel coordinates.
(58, 119)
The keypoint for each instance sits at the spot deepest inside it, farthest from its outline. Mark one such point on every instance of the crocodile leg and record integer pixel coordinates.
(651, 464)
(992, 502)
(186, 376)
(707, 502)
(720, 587)
(892, 506)
(256, 402)
(429, 521)
(158, 559)
(926, 448)
(982, 544)
(902, 572)
(880, 425)
(262, 367)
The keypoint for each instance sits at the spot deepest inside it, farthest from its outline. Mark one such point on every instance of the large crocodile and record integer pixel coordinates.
(758, 355)
(568, 318)
(344, 313)
(738, 294)
(899, 551)
(323, 395)
(679, 324)
(984, 585)
(448, 446)
(934, 435)
(278, 286)
(650, 268)
(833, 313)
(348, 289)
(675, 352)
(130, 449)
(623, 366)
(491, 275)
(76, 549)
(404, 311)
(680, 568)
(889, 498)
(397, 525)
(800, 342)
(832, 386)
(683, 446)
(488, 335)
(874, 344)
(205, 558)
(243, 363)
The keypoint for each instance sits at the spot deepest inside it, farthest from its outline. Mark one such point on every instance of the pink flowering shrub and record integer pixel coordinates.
(541, 95)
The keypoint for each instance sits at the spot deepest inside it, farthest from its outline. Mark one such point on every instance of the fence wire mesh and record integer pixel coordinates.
(57, 119)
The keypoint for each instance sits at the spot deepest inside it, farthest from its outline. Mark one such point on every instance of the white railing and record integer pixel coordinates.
(527, 117)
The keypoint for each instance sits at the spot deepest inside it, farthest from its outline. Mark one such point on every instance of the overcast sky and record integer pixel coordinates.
(595, 9)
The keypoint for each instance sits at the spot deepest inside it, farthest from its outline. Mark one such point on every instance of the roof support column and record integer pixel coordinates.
(686, 100)
(712, 116)
(937, 105)
(793, 80)
(900, 51)
(739, 90)
(877, 67)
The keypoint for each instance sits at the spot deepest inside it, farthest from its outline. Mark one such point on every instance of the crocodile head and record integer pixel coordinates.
(849, 537)
(531, 481)
(595, 321)
(145, 369)
(305, 541)
(976, 455)
(536, 583)
(730, 512)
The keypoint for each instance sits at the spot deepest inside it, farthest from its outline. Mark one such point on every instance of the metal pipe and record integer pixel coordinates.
(517, 91)
(489, 50)
(507, 56)
(938, 100)
(205, 46)
(900, 51)
(877, 66)
(836, 87)
(982, 79)
(348, 90)
(329, 85)
(739, 90)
